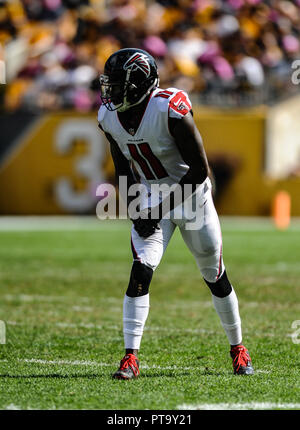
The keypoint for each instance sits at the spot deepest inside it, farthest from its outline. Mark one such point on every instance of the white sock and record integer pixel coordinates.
(135, 313)
(228, 310)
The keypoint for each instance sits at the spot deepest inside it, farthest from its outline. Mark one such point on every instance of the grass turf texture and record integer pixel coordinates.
(62, 283)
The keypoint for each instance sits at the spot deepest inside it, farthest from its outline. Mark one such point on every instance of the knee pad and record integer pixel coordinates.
(221, 288)
(140, 278)
(211, 265)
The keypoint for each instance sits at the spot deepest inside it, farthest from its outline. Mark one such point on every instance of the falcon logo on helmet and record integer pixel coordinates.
(138, 61)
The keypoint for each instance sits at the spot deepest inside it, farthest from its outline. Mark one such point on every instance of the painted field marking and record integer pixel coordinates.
(2, 333)
(60, 223)
(42, 298)
(83, 222)
(27, 298)
(119, 327)
(12, 407)
(90, 363)
(45, 298)
(60, 362)
(95, 364)
(239, 406)
(147, 328)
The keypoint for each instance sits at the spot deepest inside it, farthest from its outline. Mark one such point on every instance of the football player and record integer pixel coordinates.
(151, 131)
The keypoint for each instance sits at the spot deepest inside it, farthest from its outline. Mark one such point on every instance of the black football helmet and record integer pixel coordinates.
(129, 76)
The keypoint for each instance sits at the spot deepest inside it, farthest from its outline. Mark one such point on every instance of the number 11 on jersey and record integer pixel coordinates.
(148, 162)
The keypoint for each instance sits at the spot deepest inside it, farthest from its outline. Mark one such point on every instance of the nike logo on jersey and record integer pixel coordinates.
(176, 103)
(179, 103)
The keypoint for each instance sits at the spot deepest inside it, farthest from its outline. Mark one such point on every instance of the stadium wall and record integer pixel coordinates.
(53, 163)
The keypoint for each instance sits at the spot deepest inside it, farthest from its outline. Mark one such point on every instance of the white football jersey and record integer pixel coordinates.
(152, 148)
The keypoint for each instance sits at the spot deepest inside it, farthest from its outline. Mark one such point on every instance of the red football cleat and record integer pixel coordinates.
(241, 360)
(129, 368)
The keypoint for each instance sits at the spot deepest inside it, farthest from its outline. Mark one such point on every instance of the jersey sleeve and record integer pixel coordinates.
(179, 105)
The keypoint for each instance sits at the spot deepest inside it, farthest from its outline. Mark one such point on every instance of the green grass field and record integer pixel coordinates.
(62, 283)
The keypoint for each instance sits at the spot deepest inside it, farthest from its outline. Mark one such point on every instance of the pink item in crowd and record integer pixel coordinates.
(155, 45)
(291, 43)
(82, 100)
(236, 4)
(274, 15)
(253, 2)
(211, 52)
(52, 4)
(223, 69)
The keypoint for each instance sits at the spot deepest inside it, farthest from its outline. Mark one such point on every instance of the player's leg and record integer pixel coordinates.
(147, 254)
(206, 246)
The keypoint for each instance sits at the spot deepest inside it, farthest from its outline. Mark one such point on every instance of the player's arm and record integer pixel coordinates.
(189, 143)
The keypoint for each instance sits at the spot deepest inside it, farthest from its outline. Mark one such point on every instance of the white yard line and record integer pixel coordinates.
(43, 298)
(149, 328)
(119, 327)
(60, 223)
(83, 309)
(12, 407)
(48, 223)
(238, 406)
(212, 406)
(28, 298)
(89, 363)
(88, 326)
(60, 362)
(93, 364)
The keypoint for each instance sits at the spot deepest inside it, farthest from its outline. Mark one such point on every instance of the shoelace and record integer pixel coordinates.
(129, 360)
(242, 357)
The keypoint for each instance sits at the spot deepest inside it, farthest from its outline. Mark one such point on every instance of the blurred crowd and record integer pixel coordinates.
(56, 49)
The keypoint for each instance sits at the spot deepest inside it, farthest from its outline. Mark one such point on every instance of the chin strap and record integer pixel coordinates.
(126, 105)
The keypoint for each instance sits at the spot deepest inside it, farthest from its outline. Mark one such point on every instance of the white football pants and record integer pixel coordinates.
(201, 233)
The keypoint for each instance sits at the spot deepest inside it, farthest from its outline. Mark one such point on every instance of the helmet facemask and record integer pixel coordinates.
(112, 92)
